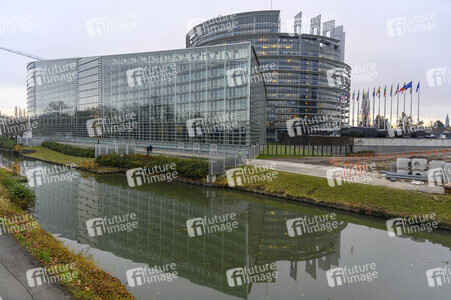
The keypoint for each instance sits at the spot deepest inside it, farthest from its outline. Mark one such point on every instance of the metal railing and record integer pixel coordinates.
(104, 149)
(306, 150)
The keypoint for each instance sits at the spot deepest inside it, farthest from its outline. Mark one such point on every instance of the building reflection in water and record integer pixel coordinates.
(162, 211)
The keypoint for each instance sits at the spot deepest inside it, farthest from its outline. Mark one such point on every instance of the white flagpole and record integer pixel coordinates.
(353, 108)
(419, 90)
(374, 103)
(404, 110)
(348, 106)
(411, 110)
(379, 112)
(391, 107)
(385, 107)
(358, 109)
(397, 109)
(368, 107)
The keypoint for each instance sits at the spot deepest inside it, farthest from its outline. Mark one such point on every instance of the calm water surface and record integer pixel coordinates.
(260, 237)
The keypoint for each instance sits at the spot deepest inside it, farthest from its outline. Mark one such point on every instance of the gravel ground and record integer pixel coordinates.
(382, 164)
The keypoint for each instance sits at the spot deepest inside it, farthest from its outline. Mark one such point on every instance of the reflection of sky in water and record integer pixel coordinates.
(261, 238)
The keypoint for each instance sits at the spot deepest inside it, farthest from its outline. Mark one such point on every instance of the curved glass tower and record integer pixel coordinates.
(305, 74)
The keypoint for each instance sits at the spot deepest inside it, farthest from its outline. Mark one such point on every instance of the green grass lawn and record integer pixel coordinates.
(376, 200)
(56, 157)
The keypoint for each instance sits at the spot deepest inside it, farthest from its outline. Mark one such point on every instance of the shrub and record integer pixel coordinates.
(187, 168)
(7, 143)
(69, 150)
(18, 192)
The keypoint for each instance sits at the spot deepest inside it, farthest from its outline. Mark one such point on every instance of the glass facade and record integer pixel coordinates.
(187, 96)
(302, 88)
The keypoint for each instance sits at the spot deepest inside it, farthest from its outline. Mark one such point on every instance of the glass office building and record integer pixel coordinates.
(313, 81)
(200, 96)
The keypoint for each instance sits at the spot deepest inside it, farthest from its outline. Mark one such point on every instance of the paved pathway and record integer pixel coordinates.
(320, 171)
(14, 263)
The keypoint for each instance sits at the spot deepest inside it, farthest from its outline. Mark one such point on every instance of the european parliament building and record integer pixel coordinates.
(313, 81)
(213, 97)
(236, 85)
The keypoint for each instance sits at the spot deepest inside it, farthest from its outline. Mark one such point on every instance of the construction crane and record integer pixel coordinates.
(23, 53)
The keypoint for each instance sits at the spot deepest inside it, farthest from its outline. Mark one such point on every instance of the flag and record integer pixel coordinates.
(385, 91)
(353, 95)
(358, 95)
(403, 88)
(363, 95)
(418, 87)
(379, 92)
(391, 90)
(397, 90)
(409, 86)
(374, 92)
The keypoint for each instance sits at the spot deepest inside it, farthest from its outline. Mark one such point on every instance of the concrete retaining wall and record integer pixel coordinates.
(386, 145)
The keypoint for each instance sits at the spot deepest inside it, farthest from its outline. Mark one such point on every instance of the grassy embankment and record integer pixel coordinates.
(46, 154)
(92, 282)
(64, 154)
(367, 199)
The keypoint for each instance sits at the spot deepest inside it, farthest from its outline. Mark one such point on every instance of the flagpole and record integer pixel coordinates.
(348, 105)
(379, 112)
(391, 107)
(397, 109)
(353, 109)
(368, 107)
(411, 110)
(404, 110)
(419, 90)
(358, 109)
(374, 103)
(385, 107)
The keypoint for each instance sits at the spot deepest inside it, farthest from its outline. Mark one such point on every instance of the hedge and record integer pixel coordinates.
(69, 150)
(7, 143)
(187, 168)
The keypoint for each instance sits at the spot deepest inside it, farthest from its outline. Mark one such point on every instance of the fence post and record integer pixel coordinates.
(322, 150)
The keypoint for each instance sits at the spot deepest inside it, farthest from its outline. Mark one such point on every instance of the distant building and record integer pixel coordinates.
(447, 121)
(313, 80)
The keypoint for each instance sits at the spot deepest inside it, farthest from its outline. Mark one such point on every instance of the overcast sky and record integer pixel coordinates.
(379, 48)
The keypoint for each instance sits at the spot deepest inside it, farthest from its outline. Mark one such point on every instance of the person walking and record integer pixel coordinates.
(239, 156)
